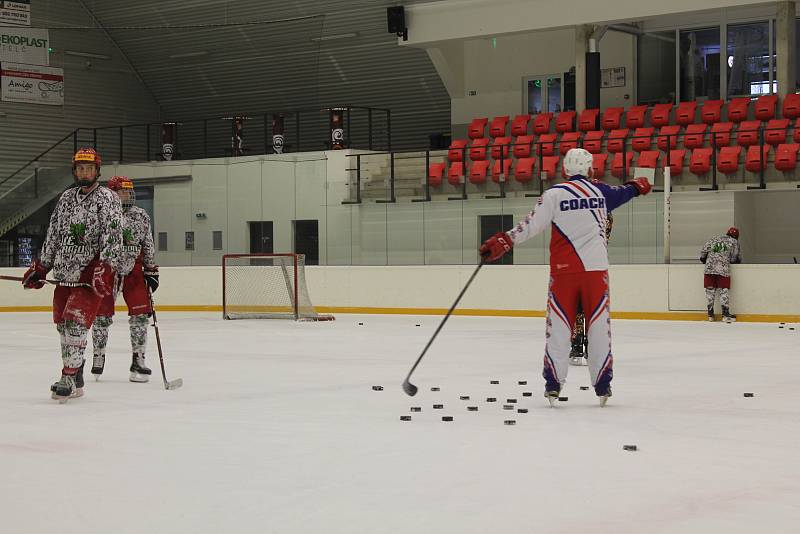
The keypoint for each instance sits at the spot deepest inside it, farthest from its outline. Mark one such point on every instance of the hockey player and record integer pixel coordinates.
(576, 211)
(82, 246)
(137, 274)
(718, 253)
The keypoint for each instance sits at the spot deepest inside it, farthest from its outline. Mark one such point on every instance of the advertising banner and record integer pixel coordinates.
(24, 45)
(33, 84)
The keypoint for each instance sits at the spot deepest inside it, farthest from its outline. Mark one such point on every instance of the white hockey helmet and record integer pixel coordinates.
(578, 161)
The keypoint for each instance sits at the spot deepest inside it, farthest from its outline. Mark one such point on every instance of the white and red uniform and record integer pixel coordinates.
(577, 212)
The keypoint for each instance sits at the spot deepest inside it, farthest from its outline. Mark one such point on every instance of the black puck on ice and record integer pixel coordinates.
(491, 399)
(447, 418)
(416, 325)
(584, 388)
(472, 408)
(438, 406)
(434, 389)
(781, 326)
(377, 388)
(416, 408)
(494, 381)
(791, 328)
(630, 448)
(563, 399)
(405, 418)
(749, 395)
(360, 324)
(527, 393)
(522, 410)
(511, 401)
(508, 406)
(523, 382)
(464, 397)
(509, 422)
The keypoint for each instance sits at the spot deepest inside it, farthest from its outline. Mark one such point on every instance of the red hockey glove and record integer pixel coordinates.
(151, 277)
(495, 247)
(102, 279)
(34, 276)
(641, 184)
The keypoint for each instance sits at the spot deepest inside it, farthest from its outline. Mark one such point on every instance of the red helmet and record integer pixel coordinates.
(733, 232)
(117, 183)
(87, 155)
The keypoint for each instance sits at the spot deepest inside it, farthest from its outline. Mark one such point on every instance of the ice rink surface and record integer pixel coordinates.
(277, 430)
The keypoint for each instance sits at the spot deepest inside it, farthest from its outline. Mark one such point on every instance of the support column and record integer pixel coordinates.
(786, 51)
(582, 34)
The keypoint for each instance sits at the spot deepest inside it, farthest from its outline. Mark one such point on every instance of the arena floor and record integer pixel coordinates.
(277, 430)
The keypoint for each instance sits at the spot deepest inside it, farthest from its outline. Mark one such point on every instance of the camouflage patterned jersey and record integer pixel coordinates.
(718, 253)
(137, 238)
(82, 227)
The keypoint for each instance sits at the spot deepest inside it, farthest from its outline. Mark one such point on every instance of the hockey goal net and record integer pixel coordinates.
(266, 286)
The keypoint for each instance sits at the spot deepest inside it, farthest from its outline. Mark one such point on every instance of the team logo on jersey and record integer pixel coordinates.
(129, 241)
(719, 248)
(75, 240)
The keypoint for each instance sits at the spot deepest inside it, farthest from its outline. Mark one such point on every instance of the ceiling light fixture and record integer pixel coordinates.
(334, 37)
(86, 54)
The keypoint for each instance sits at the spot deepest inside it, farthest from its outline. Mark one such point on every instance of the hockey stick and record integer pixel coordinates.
(20, 279)
(178, 382)
(410, 388)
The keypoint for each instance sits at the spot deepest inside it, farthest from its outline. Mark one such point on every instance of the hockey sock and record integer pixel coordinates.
(138, 325)
(100, 334)
(75, 337)
(724, 299)
(710, 296)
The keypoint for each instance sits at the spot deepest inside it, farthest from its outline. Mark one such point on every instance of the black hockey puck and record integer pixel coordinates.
(749, 395)
(491, 399)
(360, 324)
(791, 328)
(472, 408)
(630, 448)
(563, 399)
(494, 381)
(783, 323)
(416, 325)
(377, 388)
(522, 410)
(464, 397)
(405, 418)
(509, 422)
(438, 406)
(523, 382)
(584, 388)
(435, 389)
(781, 326)
(447, 418)
(416, 408)
(511, 401)
(527, 393)
(508, 406)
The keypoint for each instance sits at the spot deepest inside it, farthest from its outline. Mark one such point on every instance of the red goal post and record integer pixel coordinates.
(267, 286)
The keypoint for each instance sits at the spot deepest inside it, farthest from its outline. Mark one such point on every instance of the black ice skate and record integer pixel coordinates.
(727, 316)
(603, 395)
(65, 389)
(579, 354)
(139, 371)
(98, 364)
(711, 314)
(79, 377)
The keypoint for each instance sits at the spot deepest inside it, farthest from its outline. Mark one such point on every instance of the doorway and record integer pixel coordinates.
(306, 239)
(544, 93)
(261, 238)
(490, 225)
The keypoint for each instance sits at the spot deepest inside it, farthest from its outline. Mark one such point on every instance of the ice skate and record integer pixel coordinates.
(727, 316)
(65, 389)
(551, 396)
(139, 371)
(603, 396)
(711, 315)
(98, 364)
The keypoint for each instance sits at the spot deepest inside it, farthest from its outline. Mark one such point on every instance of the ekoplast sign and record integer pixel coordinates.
(34, 84)
(24, 45)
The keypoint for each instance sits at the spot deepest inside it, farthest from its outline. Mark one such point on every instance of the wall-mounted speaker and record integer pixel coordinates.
(396, 19)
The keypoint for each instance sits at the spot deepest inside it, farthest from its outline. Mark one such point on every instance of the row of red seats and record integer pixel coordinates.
(738, 110)
(694, 136)
(700, 161)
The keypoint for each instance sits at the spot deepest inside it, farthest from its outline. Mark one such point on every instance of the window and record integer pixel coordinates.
(189, 240)
(748, 59)
(656, 70)
(162, 241)
(216, 239)
(699, 64)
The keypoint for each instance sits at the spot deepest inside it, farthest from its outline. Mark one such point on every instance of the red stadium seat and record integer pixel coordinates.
(728, 159)
(775, 132)
(457, 150)
(477, 151)
(568, 140)
(753, 161)
(599, 165)
(565, 121)
(786, 157)
(634, 118)
(522, 146)
(796, 132)
(588, 120)
(721, 134)
(477, 128)
(500, 144)
(545, 144)
(765, 107)
(616, 164)
(738, 108)
(642, 139)
(612, 118)
(519, 126)
(685, 113)
(668, 134)
(497, 128)
(791, 106)
(455, 174)
(648, 159)
(435, 174)
(747, 134)
(593, 141)
(616, 140)
(550, 166)
(523, 170)
(711, 111)
(541, 123)
(695, 135)
(477, 172)
(700, 161)
(676, 158)
(660, 115)
(496, 170)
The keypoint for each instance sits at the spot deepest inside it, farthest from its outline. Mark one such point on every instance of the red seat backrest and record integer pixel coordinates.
(721, 134)
(634, 118)
(436, 173)
(694, 137)
(786, 156)
(477, 172)
(711, 111)
(775, 132)
(498, 126)
(700, 161)
(660, 115)
(612, 117)
(522, 146)
(457, 150)
(593, 141)
(747, 134)
(565, 121)
(728, 159)
(599, 165)
(685, 113)
(545, 144)
(477, 128)
(588, 120)
(648, 159)
(616, 164)
(738, 109)
(791, 106)
(455, 174)
(765, 107)
(500, 144)
(496, 170)
(669, 134)
(477, 151)
(642, 139)
(541, 123)
(796, 131)
(753, 161)
(676, 158)
(568, 141)
(550, 166)
(519, 126)
(523, 170)
(616, 140)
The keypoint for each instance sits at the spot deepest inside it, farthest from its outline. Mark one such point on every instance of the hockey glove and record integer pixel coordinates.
(151, 277)
(102, 280)
(641, 184)
(34, 276)
(495, 247)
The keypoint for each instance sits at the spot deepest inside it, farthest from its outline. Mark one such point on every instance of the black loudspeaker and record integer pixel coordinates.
(396, 19)
(592, 80)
